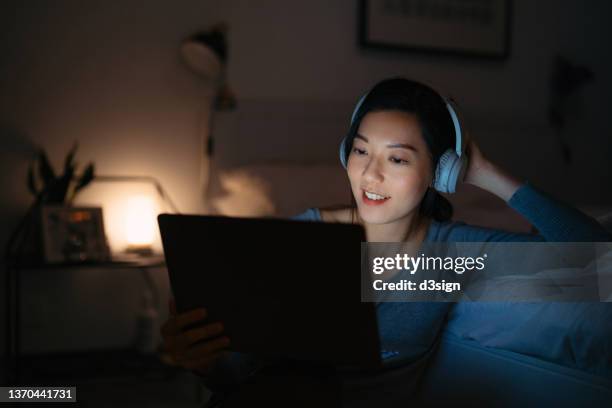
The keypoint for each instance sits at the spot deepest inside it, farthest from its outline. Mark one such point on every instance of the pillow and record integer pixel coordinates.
(572, 334)
(606, 221)
(601, 214)
(278, 189)
(575, 334)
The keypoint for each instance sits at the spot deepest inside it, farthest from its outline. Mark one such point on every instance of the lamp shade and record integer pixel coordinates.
(201, 60)
(205, 53)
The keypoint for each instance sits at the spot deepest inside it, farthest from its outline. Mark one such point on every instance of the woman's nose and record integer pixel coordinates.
(373, 172)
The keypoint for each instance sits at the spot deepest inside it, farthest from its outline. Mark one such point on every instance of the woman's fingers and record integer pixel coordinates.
(180, 341)
(199, 333)
(204, 332)
(205, 349)
(174, 325)
(190, 317)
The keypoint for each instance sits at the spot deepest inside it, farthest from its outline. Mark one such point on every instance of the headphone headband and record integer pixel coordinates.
(451, 107)
(452, 110)
(359, 103)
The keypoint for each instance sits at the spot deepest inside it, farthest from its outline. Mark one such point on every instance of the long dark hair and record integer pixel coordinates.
(400, 94)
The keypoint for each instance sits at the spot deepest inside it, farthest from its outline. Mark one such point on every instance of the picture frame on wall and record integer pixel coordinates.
(469, 28)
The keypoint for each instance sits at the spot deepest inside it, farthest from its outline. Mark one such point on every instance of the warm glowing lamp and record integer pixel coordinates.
(140, 224)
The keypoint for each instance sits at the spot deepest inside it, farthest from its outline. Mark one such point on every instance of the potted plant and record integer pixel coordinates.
(49, 188)
(53, 230)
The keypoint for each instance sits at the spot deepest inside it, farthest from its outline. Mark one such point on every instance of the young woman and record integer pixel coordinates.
(403, 135)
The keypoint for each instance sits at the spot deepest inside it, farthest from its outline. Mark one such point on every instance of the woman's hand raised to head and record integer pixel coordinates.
(486, 175)
(195, 348)
(476, 161)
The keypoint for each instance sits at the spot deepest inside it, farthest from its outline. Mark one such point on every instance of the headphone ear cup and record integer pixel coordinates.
(444, 170)
(450, 171)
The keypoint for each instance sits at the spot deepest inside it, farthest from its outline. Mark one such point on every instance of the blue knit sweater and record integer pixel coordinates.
(414, 327)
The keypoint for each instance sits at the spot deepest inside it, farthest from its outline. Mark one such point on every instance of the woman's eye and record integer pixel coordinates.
(398, 161)
(359, 151)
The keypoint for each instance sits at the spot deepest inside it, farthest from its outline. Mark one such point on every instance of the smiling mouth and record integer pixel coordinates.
(374, 198)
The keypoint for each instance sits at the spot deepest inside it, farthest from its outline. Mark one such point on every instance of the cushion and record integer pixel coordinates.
(574, 334)
(278, 189)
(606, 221)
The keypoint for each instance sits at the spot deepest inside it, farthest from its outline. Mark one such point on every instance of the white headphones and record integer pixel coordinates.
(452, 164)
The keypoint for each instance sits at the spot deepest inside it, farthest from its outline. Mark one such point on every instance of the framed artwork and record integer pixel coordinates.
(471, 28)
(73, 234)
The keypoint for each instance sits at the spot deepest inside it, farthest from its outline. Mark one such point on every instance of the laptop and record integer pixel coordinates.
(282, 288)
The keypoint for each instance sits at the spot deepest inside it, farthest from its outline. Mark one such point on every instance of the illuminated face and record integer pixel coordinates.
(389, 166)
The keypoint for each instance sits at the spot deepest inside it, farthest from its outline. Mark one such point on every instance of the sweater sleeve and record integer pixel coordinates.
(311, 214)
(555, 221)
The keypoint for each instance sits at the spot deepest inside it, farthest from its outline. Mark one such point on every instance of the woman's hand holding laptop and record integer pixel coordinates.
(192, 342)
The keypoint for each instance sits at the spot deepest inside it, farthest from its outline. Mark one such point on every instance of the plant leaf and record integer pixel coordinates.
(45, 169)
(57, 195)
(86, 178)
(70, 157)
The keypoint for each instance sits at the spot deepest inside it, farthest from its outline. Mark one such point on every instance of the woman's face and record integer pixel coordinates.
(389, 166)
